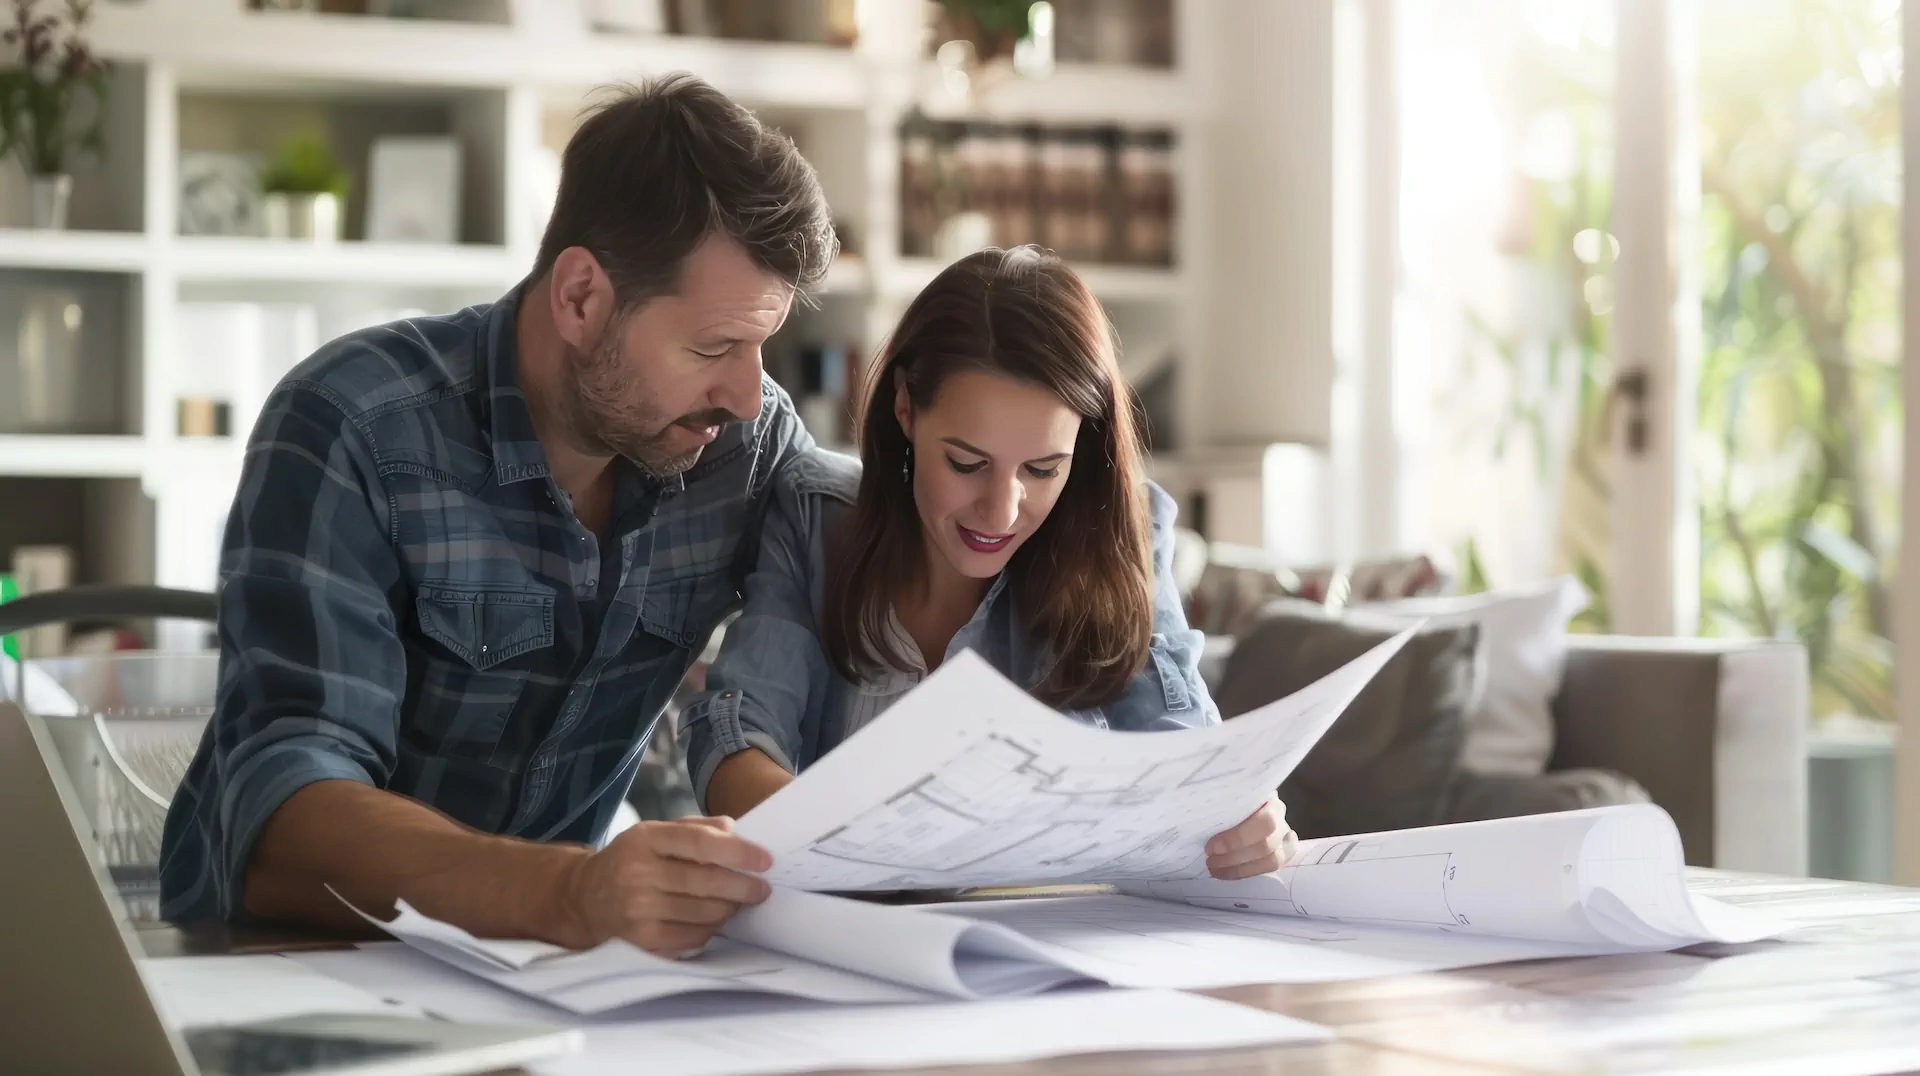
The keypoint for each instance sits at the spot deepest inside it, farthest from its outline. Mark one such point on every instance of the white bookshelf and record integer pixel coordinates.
(190, 73)
(89, 252)
(1114, 283)
(73, 456)
(1072, 93)
(476, 265)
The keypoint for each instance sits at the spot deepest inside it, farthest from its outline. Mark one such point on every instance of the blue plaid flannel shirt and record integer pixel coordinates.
(407, 601)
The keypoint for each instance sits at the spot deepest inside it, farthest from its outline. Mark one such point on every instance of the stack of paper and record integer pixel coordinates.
(198, 992)
(1582, 882)
(693, 1036)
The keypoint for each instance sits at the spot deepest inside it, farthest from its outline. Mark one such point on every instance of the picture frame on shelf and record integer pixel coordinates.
(413, 191)
(220, 194)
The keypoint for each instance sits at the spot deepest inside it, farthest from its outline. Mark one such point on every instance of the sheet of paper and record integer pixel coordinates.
(456, 946)
(693, 1035)
(1134, 941)
(1605, 877)
(201, 991)
(945, 955)
(403, 974)
(949, 1033)
(616, 974)
(968, 781)
(608, 978)
(1805, 901)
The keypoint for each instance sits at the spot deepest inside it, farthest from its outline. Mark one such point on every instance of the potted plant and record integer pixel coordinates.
(992, 27)
(52, 100)
(304, 189)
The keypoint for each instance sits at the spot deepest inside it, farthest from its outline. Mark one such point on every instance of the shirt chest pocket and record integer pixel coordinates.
(469, 683)
(486, 626)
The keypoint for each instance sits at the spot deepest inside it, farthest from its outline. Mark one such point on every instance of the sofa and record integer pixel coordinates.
(1713, 731)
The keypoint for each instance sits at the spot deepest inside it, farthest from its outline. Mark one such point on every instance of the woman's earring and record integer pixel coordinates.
(906, 466)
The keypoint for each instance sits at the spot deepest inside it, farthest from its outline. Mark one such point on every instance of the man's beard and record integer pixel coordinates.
(606, 419)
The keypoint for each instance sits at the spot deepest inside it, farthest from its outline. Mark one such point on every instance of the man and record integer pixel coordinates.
(471, 557)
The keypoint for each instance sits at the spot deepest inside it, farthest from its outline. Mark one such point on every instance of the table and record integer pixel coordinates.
(1846, 979)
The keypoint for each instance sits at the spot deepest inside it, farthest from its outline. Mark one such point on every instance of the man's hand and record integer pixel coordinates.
(665, 886)
(1259, 845)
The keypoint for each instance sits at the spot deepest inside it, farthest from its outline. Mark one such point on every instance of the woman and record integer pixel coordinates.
(999, 506)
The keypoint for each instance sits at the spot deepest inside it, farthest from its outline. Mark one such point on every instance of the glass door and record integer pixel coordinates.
(1652, 260)
(1507, 306)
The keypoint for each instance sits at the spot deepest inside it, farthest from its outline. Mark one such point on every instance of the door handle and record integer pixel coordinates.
(1634, 385)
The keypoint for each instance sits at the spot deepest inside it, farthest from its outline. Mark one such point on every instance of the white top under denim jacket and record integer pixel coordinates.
(771, 686)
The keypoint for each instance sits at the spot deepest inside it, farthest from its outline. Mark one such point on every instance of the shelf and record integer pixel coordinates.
(1132, 97)
(264, 51)
(1113, 283)
(203, 258)
(98, 252)
(72, 456)
(757, 73)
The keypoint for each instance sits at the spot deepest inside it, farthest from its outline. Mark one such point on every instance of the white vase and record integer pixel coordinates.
(49, 377)
(312, 217)
(51, 193)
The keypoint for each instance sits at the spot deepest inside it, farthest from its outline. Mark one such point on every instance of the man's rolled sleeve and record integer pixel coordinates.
(312, 669)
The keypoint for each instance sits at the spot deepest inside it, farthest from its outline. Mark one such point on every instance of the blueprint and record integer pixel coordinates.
(967, 781)
(1605, 877)
(1130, 941)
(1608, 879)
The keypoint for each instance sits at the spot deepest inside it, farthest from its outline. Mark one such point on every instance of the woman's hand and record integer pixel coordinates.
(1259, 845)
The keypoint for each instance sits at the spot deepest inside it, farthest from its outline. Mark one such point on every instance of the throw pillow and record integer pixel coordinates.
(1389, 761)
(1524, 643)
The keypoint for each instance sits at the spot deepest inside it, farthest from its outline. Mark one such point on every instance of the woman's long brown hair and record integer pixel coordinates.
(1083, 582)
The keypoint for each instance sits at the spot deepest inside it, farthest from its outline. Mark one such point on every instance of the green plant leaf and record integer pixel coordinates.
(304, 164)
(1841, 551)
(994, 14)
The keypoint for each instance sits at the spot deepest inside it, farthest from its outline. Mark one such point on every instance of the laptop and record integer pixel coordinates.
(72, 998)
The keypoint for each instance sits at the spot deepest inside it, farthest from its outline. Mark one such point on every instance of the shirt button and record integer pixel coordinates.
(483, 648)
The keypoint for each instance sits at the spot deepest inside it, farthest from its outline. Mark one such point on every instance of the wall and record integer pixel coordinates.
(1265, 222)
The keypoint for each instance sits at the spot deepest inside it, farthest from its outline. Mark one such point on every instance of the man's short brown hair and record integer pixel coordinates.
(657, 168)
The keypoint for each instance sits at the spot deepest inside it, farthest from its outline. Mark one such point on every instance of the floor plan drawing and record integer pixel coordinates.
(968, 781)
(1001, 808)
(1394, 888)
